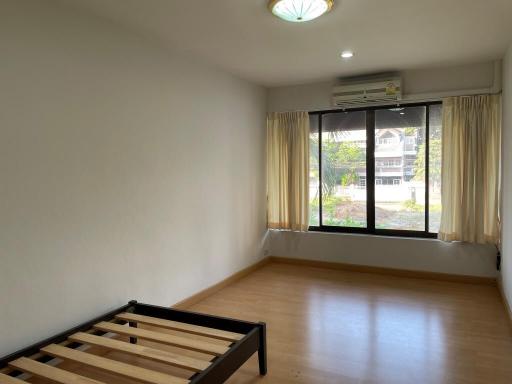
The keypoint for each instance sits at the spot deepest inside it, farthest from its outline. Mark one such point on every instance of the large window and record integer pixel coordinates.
(377, 170)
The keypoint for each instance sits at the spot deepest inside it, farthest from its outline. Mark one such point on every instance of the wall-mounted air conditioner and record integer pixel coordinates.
(353, 93)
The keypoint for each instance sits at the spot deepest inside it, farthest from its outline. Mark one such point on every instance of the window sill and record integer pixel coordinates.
(377, 232)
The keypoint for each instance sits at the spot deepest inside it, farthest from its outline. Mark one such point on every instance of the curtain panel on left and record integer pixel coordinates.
(288, 171)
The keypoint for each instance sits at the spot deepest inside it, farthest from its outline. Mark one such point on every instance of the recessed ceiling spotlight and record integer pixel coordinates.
(298, 11)
(347, 54)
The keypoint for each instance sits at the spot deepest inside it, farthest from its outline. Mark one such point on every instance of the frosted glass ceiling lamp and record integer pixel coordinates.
(298, 11)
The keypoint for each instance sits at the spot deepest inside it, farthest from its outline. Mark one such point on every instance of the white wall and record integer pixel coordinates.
(506, 268)
(126, 172)
(389, 252)
(414, 254)
(317, 96)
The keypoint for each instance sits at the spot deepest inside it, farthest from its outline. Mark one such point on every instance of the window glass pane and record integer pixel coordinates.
(434, 174)
(400, 168)
(314, 174)
(344, 169)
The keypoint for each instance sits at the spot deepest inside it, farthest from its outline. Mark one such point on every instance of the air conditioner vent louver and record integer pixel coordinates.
(360, 93)
(351, 93)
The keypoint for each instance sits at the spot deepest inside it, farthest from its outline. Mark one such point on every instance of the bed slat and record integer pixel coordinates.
(178, 341)
(183, 327)
(6, 379)
(174, 359)
(49, 372)
(112, 366)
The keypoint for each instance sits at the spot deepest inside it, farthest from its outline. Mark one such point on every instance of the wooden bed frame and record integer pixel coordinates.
(242, 340)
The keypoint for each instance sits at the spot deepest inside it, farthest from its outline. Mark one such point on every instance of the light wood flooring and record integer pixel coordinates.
(328, 326)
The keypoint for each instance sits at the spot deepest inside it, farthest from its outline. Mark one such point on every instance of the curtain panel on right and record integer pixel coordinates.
(471, 158)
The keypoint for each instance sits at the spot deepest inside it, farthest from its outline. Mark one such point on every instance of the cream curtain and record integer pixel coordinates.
(288, 170)
(471, 169)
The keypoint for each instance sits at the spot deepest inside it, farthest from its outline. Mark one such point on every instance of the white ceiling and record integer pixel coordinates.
(242, 37)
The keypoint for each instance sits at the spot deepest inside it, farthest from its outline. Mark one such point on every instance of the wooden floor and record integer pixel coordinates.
(328, 326)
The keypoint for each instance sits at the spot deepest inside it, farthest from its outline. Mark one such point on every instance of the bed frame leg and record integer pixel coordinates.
(262, 350)
(133, 340)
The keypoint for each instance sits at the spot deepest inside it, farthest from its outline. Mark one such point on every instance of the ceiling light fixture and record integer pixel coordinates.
(298, 11)
(347, 54)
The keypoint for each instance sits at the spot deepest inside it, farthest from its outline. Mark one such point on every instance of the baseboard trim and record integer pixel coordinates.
(386, 271)
(201, 295)
(506, 304)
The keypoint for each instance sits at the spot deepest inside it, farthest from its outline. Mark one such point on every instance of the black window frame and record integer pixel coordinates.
(370, 173)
